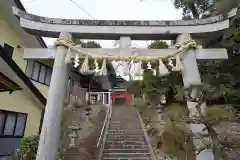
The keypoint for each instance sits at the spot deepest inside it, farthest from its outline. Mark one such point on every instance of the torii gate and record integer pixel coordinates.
(64, 29)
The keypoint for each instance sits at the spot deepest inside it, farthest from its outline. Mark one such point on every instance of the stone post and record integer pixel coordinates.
(98, 97)
(109, 99)
(87, 97)
(191, 76)
(50, 135)
(103, 95)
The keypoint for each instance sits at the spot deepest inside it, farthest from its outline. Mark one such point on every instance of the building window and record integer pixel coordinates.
(39, 72)
(12, 124)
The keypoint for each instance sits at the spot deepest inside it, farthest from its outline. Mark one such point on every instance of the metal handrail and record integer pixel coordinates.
(150, 148)
(103, 127)
(104, 131)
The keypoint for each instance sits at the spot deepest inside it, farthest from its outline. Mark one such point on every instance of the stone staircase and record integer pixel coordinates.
(126, 138)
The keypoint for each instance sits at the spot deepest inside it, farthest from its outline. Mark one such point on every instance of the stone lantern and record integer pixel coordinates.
(160, 106)
(74, 134)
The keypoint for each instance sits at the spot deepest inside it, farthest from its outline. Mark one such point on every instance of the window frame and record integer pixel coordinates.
(9, 49)
(39, 71)
(5, 113)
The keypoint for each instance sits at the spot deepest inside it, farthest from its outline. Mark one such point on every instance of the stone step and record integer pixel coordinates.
(129, 141)
(140, 136)
(133, 158)
(127, 121)
(126, 155)
(126, 150)
(124, 119)
(133, 118)
(126, 139)
(125, 125)
(119, 146)
(125, 142)
(117, 120)
(125, 136)
(125, 131)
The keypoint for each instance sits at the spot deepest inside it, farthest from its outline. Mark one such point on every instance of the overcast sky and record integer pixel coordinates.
(105, 10)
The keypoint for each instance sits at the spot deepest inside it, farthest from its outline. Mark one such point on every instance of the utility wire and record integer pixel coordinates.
(119, 64)
(82, 9)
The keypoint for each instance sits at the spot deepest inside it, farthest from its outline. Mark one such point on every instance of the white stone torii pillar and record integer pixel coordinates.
(50, 134)
(191, 76)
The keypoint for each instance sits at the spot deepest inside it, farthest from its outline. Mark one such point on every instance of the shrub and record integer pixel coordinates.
(138, 102)
(27, 149)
